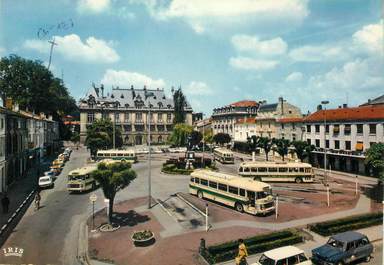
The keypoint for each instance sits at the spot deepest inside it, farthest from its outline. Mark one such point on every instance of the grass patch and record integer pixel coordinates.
(346, 224)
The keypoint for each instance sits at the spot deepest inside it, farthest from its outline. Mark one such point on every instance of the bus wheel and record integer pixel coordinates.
(298, 180)
(239, 207)
(200, 194)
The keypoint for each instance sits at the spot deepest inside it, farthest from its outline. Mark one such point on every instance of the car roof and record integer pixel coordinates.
(348, 236)
(283, 252)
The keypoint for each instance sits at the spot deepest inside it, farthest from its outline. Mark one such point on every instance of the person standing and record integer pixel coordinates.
(5, 203)
(241, 258)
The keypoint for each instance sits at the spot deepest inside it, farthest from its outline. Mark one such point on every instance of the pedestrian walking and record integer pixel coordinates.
(37, 200)
(241, 258)
(5, 203)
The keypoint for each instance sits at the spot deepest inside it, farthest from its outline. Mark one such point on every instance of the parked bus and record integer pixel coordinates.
(245, 195)
(223, 156)
(277, 171)
(127, 155)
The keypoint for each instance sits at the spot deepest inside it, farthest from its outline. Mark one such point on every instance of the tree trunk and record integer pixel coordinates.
(266, 155)
(110, 212)
(283, 157)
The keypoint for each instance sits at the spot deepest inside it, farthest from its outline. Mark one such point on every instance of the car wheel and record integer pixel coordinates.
(200, 194)
(367, 258)
(298, 180)
(239, 207)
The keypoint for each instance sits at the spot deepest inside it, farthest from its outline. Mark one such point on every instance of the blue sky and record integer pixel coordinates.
(218, 51)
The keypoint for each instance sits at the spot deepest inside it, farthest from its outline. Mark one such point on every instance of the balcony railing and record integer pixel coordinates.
(341, 152)
(139, 122)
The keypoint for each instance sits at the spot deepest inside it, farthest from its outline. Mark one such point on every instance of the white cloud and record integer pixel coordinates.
(246, 63)
(92, 6)
(294, 77)
(247, 43)
(73, 48)
(196, 88)
(370, 38)
(319, 53)
(125, 79)
(206, 15)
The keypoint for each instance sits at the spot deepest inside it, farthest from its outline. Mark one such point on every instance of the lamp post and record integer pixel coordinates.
(149, 150)
(203, 162)
(325, 102)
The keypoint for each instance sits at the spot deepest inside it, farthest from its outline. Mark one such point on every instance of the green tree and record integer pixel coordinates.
(302, 149)
(100, 136)
(196, 137)
(208, 137)
(265, 143)
(75, 138)
(180, 102)
(222, 138)
(375, 160)
(180, 133)
(282, 146)
(113, 177)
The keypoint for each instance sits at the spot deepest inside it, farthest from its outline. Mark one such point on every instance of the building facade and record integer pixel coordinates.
(267, 122)
(129, 110)
(291, 129)
(225, 118)
(3, 164)
(345, 134)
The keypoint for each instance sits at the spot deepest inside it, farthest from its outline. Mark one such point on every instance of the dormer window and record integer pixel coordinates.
(160, 105)
(126, 105)
(164, 97)
(112, 96)
(169, 106)
(122, 96)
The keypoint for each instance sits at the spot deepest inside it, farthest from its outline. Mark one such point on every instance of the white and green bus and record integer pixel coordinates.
(80, 179)
(277, 171)
(223, 155)
(124, 155)
(245, 195)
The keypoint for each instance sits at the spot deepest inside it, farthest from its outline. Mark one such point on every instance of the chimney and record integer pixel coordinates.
(345, 106)
(102, 90)
(319, 107)
(281, 101)
(369, 100)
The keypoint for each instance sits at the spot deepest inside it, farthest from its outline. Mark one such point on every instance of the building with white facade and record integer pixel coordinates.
(3, 169)
(346, 134)
(225, 118)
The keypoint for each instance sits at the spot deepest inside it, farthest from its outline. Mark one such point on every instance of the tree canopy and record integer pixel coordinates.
(31, 85)
(222, 138)
(100, 136)
(281, 147)
(180, 133)
(302, 149)
(180, 102)
(196, 137)
(112, 178)
(375, 160)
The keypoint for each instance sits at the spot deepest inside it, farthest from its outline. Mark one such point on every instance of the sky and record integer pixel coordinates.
(217, 51)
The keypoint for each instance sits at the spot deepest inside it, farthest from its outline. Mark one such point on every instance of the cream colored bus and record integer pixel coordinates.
(223, 155)
(245, 195)
(80, 179)
(277, 171)
(123, 155)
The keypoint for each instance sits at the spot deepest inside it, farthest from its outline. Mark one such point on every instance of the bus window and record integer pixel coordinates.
(192, 179)
(223, 187)
(308, 170)
(251, 197)
(242, 192)
(234, 190)
(283, 169)
(261, 195)
(120, 154)
(246, 169)
(100, 154)
(197, 180)
(253, 169)
(262, 169)
(204, 182)
(240, 169)
(295, 169)
(272, 169)
(213, 184)
(291, 169)
(301, 169)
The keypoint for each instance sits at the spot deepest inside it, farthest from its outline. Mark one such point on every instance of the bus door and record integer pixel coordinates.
(251, 198)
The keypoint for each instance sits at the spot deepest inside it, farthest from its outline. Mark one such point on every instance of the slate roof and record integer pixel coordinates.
(375, 101)
(268, 107)
(244, 103)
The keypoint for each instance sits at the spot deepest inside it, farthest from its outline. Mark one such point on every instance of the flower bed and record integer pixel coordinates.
(257, 244)
(142, 238)
(172, 169)
(347, 224)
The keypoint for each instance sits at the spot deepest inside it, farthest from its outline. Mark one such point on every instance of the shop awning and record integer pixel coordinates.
(359, 147)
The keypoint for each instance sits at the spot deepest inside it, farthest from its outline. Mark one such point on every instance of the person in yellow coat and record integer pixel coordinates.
(243, 253)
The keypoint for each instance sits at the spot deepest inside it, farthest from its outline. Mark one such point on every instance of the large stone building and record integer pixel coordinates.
(129, 108)
(347, 135)
(266, 122)
(3, 129)
(225, 118)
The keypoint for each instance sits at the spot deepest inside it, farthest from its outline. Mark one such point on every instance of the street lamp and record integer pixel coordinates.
(203, 162)
(147, 95)
(325, 102)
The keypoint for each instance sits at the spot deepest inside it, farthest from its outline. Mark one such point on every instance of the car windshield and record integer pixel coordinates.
(335, 243)
(264, 260)
(45, 179)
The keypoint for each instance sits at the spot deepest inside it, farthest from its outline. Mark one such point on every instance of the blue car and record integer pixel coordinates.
(342, 249)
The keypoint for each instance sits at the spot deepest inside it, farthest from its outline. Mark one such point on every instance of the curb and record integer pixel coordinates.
(16, 212)
(190, 204)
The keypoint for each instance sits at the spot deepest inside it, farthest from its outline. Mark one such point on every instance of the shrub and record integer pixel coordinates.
(347, 224)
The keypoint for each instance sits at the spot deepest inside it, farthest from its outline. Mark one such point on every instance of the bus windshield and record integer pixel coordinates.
(76, 177)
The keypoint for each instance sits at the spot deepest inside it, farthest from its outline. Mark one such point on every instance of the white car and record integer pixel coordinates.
(46, 181)
(284, 256)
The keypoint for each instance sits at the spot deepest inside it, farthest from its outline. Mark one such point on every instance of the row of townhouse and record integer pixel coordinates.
(344, 134)
(24, 139)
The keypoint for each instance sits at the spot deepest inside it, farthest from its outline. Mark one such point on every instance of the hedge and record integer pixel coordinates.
(347, 224)
(172, 169)
(256, 244)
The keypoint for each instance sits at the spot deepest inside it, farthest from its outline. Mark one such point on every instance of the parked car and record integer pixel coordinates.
(343, 248)
(49, 173)
(68, 150)
(46, 181)
(284, 256)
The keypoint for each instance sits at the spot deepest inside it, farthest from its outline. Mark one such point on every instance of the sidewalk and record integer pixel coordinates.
(374, 234)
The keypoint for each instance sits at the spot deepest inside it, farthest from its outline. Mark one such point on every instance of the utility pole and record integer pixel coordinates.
(203, 162)
(325, 102)
(53, 43)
